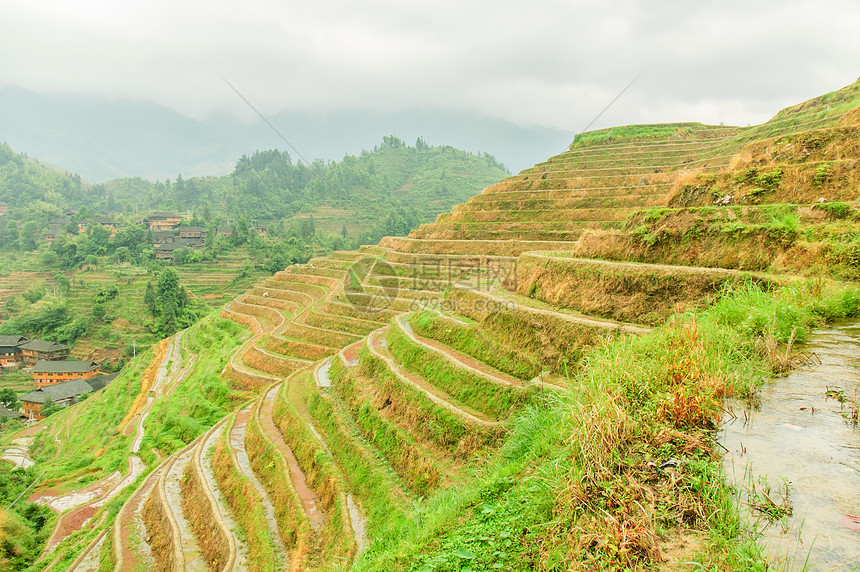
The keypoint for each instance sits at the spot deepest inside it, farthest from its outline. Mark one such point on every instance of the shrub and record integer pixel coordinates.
(823, 173)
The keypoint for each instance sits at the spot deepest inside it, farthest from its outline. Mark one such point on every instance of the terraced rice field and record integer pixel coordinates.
(386, 375)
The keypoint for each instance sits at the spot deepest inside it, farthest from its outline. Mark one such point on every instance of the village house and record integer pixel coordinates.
(223, 231)
(8, 413)
(192, 232)
(165, 251)
(161, 220)
(100, 220)
(52, 372)
(10, 351)
(35, 350)
(63, 394)
(4, 208)
(160, 237)
(50, 235)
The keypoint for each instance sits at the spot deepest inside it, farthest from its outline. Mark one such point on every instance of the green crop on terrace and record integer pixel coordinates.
(571, 484)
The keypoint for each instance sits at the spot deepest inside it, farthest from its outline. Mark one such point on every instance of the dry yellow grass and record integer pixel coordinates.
(146, 383)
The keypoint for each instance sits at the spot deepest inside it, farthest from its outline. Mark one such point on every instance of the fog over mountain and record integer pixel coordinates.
(103, 138)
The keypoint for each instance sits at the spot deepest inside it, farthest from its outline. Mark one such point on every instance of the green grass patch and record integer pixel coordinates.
(366, 474)
(571, 486)
(493, 399)
(471, 340)
(400, 449)
(205, 396)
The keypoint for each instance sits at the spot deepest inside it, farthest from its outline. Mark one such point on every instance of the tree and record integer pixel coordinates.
(49, 407)
(343, 231)
(9, 399)
(63, 282)
(29, 232)
(122, 254)
(92, 260)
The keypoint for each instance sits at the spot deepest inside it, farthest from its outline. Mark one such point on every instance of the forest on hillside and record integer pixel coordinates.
(76, 243)
(387, 190)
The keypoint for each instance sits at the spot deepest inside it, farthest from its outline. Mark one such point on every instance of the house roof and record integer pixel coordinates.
(43, 346)
(58, 392)
(12, 341)
(192, 229)
(101, 380)
(160, 215)
(8, 412)
(181, 243)
(100, 220)
(63, 366)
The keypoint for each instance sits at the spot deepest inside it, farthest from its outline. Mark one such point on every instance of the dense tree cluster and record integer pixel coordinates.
(170, 304)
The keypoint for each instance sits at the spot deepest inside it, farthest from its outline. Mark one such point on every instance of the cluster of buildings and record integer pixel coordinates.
(58, 380)
(59, 226)
(168, 236)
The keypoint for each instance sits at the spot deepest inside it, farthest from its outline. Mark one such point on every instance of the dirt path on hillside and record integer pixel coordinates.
(237, 441)
(130, 547)
(192, 556)
(310, 500)
(203, 460)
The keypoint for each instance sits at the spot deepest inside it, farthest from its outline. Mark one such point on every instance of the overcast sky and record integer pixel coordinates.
(545, 62)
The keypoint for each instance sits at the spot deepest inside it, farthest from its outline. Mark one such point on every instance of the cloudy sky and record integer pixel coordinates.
(547, 62)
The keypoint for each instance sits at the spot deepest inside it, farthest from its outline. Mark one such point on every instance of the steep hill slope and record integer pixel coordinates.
(512, 386)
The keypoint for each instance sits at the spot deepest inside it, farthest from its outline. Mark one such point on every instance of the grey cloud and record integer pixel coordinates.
(547, 62)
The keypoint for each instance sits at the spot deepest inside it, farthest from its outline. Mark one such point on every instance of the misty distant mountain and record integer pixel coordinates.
(102, 139)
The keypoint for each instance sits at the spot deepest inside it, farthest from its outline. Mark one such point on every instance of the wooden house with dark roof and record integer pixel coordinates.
(8, 413)
(53, 372)
(192, 232)
(162, 237)
(106, 222)
(163, 220)
(165, 251)
(10, 351)
(63, 394)
(35, 350)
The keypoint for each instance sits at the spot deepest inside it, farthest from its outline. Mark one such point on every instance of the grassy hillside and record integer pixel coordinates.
(532, 382)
